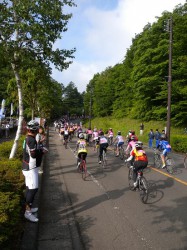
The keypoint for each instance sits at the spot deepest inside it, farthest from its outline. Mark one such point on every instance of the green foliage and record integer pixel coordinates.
(11, 186)
(179, 143)
(138, 88)
(5, 149)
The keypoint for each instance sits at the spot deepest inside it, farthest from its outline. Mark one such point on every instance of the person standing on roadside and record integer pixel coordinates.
(141, 128)
(7, 130)
(157, 137)
(151, 138)
(31, 154)
(41, 143)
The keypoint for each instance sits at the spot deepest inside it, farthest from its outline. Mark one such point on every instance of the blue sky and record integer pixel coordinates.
(102, 31)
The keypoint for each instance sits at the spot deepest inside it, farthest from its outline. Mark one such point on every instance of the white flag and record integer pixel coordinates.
(11, 109)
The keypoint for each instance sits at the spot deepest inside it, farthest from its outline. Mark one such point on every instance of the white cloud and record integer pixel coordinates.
(102, 37)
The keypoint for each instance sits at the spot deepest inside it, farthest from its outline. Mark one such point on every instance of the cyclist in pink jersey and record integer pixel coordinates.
(131, 144)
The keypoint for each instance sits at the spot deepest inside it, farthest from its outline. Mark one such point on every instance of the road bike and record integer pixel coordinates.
(110, 141)
(103, 158)
(185, 161)
(121, 152)
(82, 168)
(66, 143)
(168, 160)
(142, 184)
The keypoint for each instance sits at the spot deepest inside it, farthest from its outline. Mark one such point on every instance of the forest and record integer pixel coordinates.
(138, 87)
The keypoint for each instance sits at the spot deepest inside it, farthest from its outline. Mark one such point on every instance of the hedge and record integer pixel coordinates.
(11, 194)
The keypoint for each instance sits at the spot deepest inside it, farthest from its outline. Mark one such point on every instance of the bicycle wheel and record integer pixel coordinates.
(104, 160)
(170, 165)
(130, 179)
(143, 189)
(84, 170)
(157, 161)
(121, 153)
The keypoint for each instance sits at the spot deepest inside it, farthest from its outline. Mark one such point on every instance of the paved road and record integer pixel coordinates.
(101, 212)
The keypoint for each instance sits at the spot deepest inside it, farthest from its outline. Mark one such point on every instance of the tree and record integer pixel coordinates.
(31, 28)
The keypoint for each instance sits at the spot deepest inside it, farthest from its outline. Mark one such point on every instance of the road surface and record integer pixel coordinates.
(101, 212)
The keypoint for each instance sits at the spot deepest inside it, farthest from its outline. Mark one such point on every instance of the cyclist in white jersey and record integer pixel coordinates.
(103, 144)
(120, 141)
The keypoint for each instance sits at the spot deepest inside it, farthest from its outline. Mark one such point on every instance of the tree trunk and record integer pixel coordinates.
(20, 120)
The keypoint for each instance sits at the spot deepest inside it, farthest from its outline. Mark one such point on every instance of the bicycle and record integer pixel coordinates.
(66, 143)
(185, 161)
(110, 141)
(142, 184)
(82, 168)
(103, 158)
(168, 160)
(121, 152)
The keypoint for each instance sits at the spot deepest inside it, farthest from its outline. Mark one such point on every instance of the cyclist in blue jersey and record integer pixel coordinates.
(165, 147)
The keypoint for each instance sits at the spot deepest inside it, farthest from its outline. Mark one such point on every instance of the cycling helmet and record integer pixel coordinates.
(138, 144)
(33, 125)
(163, 136)
(119, 132)
(132, 132)
(101, 133)
(95, 130)
(133, 138)
(81, 136)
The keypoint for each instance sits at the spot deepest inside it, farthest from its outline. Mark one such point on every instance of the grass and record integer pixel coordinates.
(126, 124)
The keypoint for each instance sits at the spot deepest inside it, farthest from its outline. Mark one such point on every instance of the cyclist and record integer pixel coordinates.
(66, 134)
(103, 144)
(130, 134)
(165, 147)
(131, 144)
(140, 160)
(81, 149)
(89, 132)
(95, 136)
(110, 136)
(120, 141)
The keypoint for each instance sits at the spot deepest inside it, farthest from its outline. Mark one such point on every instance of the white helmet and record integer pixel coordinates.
(33, 125)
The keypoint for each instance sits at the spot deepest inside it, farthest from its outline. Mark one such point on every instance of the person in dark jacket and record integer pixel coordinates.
(31, 154)
(151, 137)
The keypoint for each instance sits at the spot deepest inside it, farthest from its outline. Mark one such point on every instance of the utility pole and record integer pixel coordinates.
(90, 110)
(170, 30)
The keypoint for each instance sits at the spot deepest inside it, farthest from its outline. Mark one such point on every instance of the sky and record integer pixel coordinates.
(102, 31)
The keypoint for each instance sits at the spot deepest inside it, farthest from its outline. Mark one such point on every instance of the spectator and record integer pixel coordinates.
(151, 138)
(157, 137)
(141, 128)
(7, 130)
(41, 143)
(31, 154)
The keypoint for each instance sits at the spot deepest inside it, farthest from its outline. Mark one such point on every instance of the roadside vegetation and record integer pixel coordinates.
(11, 196)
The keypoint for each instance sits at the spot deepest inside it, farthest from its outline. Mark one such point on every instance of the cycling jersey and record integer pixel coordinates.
(102, 140)
(81, 144)
(139, 155)
(95, 135)
(131, 145)
(119, 138)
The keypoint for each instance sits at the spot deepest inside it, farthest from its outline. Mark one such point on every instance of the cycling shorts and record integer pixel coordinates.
(164, 152)
(120, 143)
(31, 178)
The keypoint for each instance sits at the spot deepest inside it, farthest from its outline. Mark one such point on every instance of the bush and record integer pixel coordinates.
(11, 194)
(5, 149)
(179, 143)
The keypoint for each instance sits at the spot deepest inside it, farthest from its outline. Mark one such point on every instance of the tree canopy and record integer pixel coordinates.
(137, 88)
